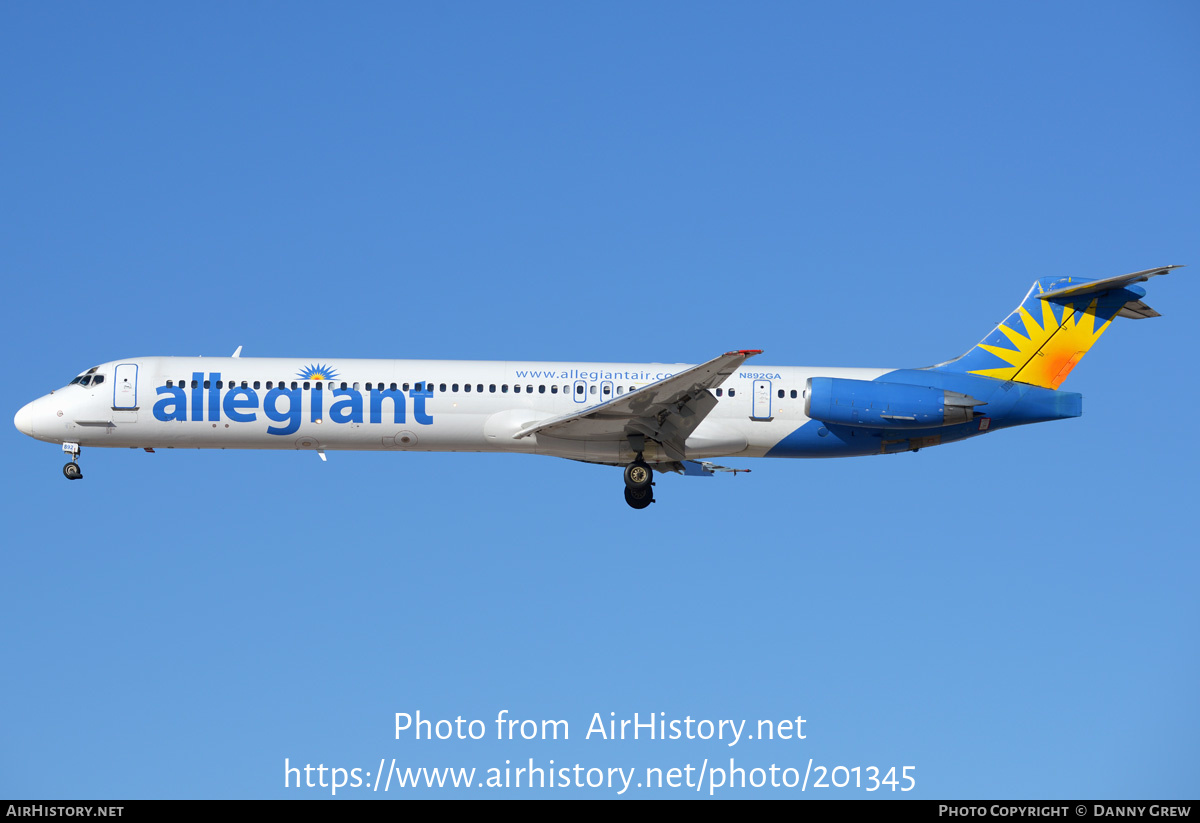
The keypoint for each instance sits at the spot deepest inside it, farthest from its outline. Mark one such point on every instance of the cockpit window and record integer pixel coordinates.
(88, 378)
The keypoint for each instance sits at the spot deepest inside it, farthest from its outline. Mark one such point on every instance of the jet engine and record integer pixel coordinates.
(885, 405)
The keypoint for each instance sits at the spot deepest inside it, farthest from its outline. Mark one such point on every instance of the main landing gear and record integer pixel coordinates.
(72, 470)
(639, 484)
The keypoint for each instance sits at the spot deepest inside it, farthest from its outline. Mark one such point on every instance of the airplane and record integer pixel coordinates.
(648, 417)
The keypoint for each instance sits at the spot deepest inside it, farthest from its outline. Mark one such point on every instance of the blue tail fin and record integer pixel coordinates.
(1054, 327)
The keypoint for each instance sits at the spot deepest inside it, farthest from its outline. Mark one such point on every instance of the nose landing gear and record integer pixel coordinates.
(72, 471)
(639, 484)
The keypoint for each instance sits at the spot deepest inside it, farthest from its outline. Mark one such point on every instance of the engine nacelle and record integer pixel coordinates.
(885, 405)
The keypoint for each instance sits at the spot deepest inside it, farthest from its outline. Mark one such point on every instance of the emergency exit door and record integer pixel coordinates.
(761, 409)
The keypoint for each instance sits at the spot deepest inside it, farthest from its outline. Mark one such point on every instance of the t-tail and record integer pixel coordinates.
(1054, 327)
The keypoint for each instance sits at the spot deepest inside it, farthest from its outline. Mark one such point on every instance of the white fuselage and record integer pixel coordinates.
(399, 405)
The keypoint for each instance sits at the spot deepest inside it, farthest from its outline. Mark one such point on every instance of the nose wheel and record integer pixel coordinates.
(639, 484)
(72, 471)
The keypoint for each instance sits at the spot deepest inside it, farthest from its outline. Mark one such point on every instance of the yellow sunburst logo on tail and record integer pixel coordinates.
(1046, 353)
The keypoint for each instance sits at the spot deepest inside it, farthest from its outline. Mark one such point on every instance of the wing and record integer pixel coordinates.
(698, 468)
(667, 411)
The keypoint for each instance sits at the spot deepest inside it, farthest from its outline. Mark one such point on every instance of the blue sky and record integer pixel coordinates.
(874, 185)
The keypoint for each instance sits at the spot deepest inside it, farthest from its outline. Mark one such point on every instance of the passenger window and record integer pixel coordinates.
(479, 387)
(579, 389)
(442, 387)
(607, 390)
(793, 394)
(731, 392)
(170, 383)
(593, 391)
(504, 388)
(554, 389)
(620, 389)
(492, 388)
(295, 386)
(720, 392)
(542, 389)
(781, 394)
(453, 387)
(206, 384)
(258, 384)
(392, 386)
(466, 387)
(517, 389)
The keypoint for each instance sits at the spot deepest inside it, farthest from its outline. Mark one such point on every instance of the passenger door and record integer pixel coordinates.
(125, 386)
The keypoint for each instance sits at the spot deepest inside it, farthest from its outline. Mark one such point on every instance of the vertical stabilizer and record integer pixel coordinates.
(1056, 324)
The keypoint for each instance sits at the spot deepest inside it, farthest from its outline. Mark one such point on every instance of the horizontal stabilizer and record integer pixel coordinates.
(1137, 310)
(1107, 284)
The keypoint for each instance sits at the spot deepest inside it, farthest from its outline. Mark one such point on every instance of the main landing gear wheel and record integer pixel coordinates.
(638, 476)
(639, 499)
(639, 483)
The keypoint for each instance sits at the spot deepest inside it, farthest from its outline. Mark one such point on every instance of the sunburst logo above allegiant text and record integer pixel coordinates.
(318, 371)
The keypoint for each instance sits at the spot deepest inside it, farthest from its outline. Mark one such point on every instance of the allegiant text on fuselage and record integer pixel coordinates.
(204, 401)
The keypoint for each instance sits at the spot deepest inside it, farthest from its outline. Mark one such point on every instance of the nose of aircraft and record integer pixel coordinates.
(23, 419)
